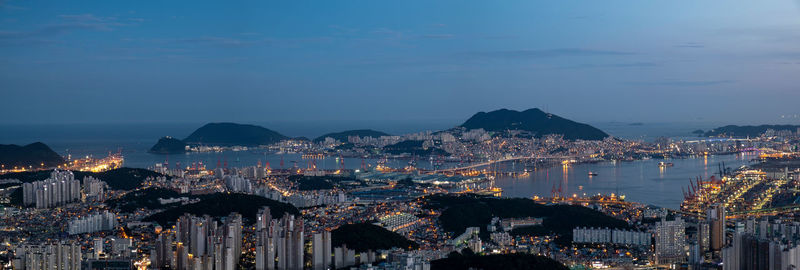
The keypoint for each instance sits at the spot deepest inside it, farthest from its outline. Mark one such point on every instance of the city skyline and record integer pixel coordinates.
(261, 62)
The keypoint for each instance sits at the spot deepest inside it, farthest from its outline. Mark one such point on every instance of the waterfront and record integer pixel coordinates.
(640, 181)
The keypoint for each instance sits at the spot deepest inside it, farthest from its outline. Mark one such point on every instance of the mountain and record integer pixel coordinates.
(34, 154)
(342, 136)
(228, 134)
(747, 131)
(535, 121)
(168, 145)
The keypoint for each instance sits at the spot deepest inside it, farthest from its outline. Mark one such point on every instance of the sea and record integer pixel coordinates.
(640, 181)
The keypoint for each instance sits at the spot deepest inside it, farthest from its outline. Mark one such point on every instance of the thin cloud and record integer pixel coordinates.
(220, 41)
(69, 23)
(438, 36)
(691, 45)
(4, 5)
(678, 83)
(619, 65)
(548, 53)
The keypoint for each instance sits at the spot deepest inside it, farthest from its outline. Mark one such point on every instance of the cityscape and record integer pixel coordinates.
(399, 135)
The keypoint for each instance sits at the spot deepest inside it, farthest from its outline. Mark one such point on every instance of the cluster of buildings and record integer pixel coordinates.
(200, 243)
(61, 188)
(610, 236)
(236, 183)
(763, 244)
(280, 242)
(399, 222)
(60, 255)
(101, 221)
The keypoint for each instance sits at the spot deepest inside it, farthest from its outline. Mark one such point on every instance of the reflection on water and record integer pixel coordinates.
(640, 181)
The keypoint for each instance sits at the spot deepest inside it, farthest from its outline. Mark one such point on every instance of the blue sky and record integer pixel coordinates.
(254, 61)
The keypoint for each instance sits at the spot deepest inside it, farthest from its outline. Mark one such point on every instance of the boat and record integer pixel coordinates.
(592, 174)
(665, 164)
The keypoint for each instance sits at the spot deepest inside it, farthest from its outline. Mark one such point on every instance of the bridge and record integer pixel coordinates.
(488, 163)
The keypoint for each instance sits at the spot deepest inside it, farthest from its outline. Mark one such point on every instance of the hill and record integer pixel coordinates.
(229, 134)
(222, 204)
(414, 148)
(460, 212)
(342, 136)
(168, 145)
(747, 131)
(144, 198)
(514, 261)
(35, 155)
(122, 178)
(534, 121)
(365, 236)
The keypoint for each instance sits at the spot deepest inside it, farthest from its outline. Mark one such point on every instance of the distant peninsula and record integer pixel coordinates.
(535, 121)
(219, 134)
(36, 154)
(168, 145)
(747, 131)
(342, 136)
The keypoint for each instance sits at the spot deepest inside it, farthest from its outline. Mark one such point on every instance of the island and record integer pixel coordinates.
(37, 155)
(747, 131)
(168, 145)
(535, 121)
(219, 134)
(231, 134)
(342, 136)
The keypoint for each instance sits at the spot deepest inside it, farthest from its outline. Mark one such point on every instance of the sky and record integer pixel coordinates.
(64, 62)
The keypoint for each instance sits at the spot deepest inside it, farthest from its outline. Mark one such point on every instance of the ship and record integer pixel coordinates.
(665, 164)
(592, 174)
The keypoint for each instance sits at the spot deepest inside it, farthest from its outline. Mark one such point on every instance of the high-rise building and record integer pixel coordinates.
(60, 189)
(101, 221)
(161, 254)
(94, 189)
(61, 255)
(203, 244)
(280, 243)
(321, 250)
(703, 236)
(716, 220)
(670, 241)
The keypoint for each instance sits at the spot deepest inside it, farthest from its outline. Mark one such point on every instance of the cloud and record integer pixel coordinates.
(85, 18)
(221, 41)
(49, 30)
(679, 83)
(5, 6)
(691, 45)
(68, 24)
(493, 37)
(438, 36)
(618, 65)
(547, 53)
